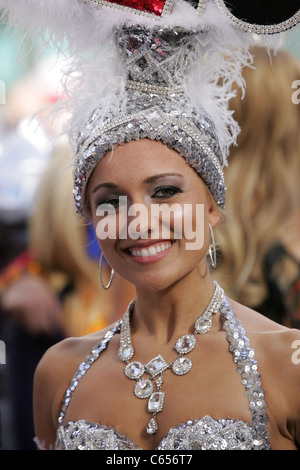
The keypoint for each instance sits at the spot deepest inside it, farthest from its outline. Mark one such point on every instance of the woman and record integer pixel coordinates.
(158, 134)
(173, 288)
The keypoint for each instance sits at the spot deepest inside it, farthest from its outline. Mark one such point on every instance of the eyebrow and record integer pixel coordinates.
(105, 185)
(154, 178)
(150, 179)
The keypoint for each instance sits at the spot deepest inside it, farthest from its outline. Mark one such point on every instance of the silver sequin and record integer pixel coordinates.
(206, 433)
(156, 107)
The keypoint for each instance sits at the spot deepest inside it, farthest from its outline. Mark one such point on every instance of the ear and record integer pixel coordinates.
(214, 213)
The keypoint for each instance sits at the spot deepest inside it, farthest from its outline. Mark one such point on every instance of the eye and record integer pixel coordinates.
(107, 205)
(166, 192)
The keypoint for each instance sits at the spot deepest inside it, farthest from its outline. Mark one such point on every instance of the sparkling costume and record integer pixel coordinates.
(196, 434)
(161, 70)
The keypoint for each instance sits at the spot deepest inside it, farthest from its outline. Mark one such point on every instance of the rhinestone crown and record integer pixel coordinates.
(156, 107)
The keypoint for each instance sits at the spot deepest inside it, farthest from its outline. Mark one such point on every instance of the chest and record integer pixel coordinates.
(212, 387)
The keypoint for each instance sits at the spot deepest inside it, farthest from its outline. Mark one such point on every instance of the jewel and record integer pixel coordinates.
(134, 370)
(154, 118)
(156, 365)
(143, 388)
(181, 366)
(185, 344)
(203, 324)
(156, 402)
(159, 381)
(125, 353)
(154, 7)
(152, 426)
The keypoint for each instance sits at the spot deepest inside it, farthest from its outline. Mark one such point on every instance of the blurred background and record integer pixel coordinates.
(49, 275)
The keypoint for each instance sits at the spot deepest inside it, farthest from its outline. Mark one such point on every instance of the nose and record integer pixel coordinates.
(139, 221)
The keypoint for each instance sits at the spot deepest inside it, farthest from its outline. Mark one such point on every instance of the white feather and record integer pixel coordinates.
(96, 74)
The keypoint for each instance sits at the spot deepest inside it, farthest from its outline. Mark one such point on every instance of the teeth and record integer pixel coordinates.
(150, 251)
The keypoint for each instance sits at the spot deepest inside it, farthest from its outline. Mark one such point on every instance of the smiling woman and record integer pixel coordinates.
(159, 179)
(155, 218)
(153, 131)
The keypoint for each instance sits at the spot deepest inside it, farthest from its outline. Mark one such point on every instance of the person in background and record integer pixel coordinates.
(260, 242)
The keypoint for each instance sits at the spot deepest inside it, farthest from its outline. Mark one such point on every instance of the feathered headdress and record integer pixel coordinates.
(153, 69)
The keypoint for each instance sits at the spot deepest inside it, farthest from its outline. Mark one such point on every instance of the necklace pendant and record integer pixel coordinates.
(134, 370)
(155, 405)
(182, 365)
(156, 402)
(156, 366)
(203, 324)
(125, 352)
(185, 344)
(143, 388)
(152, 426)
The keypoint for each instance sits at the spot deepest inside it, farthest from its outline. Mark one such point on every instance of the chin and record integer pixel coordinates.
(154, 283)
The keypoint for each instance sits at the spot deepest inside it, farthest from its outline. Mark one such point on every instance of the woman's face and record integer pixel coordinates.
(151, 212)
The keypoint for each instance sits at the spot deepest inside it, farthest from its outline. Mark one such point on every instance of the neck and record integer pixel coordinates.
(172, 312)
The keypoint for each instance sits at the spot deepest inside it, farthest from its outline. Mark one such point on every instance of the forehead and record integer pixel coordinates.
(139, 160)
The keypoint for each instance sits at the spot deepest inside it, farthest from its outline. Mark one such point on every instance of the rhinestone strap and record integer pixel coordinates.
(247, 368)
(84, 367)
(152, 88)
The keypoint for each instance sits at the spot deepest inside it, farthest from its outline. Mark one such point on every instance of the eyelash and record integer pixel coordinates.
(108, 201)
(173, 189)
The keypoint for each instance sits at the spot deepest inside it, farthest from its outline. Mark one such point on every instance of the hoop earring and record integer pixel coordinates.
(101, 279)
(212, 249)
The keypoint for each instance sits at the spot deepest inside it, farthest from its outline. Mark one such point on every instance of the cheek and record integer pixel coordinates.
(106, 235)
(105, 228)
(181, 218)
(192, 222)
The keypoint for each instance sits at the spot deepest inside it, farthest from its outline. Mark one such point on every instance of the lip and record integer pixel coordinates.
(147, 243)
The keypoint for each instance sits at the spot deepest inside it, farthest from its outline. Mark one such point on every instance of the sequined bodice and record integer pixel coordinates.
(199, 434)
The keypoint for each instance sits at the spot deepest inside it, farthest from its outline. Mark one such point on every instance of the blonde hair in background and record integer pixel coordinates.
(263, 177)
(58, 233)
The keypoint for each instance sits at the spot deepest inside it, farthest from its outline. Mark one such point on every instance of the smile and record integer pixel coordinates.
(152, 250)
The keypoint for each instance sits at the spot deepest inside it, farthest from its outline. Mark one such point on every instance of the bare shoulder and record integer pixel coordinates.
(277, 349)
(68, 353)
(254, 321)
(52, 377)
(269, 335)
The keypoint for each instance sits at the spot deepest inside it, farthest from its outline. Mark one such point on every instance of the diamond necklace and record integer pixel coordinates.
(144, 387)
